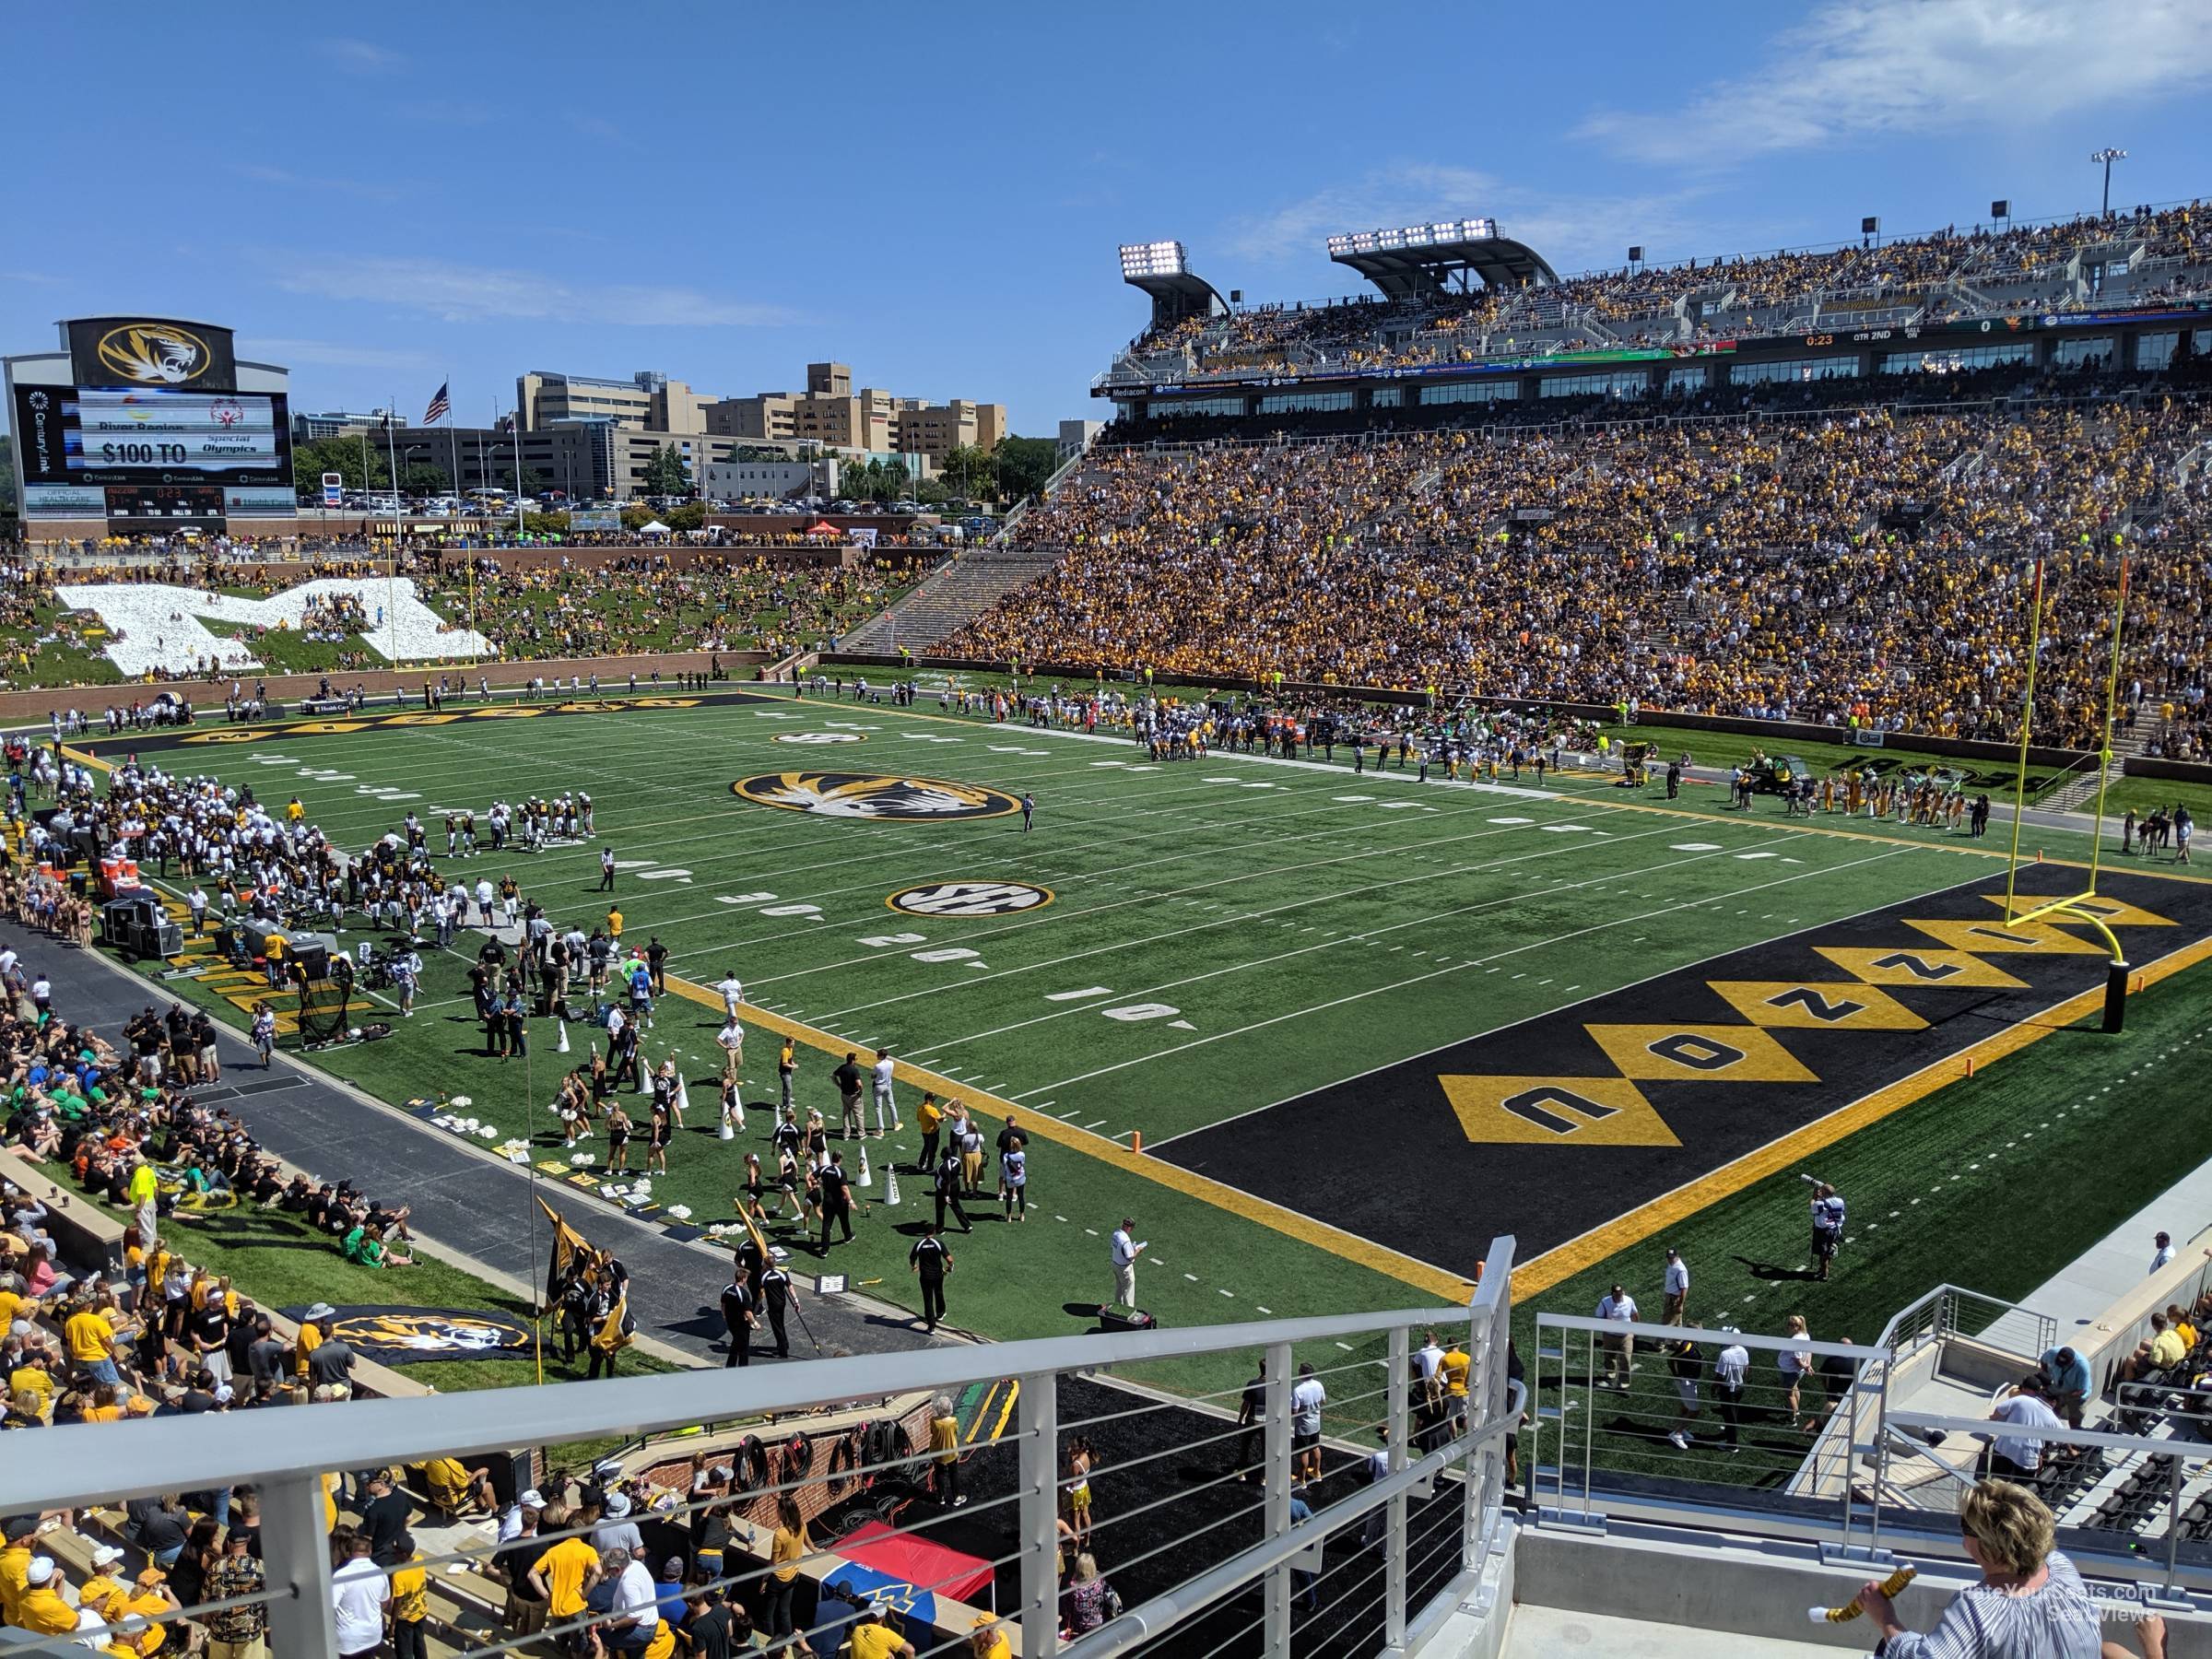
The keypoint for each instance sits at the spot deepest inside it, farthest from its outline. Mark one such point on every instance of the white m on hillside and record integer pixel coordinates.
(157, 627)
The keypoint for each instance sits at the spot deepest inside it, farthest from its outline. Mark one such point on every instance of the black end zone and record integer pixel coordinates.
(1556, 1125)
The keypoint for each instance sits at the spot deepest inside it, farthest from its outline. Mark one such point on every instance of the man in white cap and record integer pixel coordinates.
(40, 1608)
(510, 1521)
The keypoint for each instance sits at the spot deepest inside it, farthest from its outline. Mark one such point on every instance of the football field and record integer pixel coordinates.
(1356, 1023)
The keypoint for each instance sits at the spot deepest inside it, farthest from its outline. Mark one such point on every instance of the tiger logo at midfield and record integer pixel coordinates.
(874, 795)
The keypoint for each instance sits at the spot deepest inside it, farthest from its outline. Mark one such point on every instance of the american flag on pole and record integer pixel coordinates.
(440, 408)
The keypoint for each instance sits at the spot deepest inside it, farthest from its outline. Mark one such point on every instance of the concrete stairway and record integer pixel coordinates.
(958, 591)
(2082, 791)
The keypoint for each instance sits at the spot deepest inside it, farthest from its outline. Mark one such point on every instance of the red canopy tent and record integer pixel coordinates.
(823, 527)
(931, 1568)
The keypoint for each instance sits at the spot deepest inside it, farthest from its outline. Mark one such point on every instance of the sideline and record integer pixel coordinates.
(1587, 799)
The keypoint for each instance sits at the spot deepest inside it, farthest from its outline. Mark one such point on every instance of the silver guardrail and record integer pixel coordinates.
(1384, 1549)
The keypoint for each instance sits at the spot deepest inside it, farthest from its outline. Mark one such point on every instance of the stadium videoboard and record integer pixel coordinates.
(150, 431)
(184, 457)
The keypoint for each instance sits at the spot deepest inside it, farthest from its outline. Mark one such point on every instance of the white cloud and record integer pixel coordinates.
(1573, 233)
(283, 177)
(460, 293)
(1861, 69)
(332, 354)
(359, 57)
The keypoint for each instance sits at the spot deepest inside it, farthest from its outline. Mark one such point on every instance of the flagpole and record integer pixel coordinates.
(398, 528)
(452, 442)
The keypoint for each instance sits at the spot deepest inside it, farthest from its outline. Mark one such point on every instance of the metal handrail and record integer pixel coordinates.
(286, 1454)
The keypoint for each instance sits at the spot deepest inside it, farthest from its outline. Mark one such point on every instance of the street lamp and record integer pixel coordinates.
(2108, 156)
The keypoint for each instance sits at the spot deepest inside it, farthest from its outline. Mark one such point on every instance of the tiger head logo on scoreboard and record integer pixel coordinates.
(154, 353)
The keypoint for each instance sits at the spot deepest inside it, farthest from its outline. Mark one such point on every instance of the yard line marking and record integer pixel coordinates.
(1141, 895)
(1417, 979)
(1364, 892)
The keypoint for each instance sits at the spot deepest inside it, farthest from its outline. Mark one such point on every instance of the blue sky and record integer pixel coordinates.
(384, 196)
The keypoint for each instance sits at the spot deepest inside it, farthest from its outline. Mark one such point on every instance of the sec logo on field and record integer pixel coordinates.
(820, 738)
(874, 795)
(970, 898)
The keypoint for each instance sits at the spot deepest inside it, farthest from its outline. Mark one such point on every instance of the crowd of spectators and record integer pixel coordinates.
(1868, 566)
(649, 601)
(1752, 292)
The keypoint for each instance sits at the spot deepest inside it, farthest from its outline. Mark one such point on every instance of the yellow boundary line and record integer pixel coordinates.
(1670, 1209)
(1348, 1246)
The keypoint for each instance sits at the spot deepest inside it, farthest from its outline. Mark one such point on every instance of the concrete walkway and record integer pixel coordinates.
(1538, 1632)
(472, 1209)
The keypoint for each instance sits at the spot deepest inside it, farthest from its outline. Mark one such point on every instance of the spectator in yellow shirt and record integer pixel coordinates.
(40, 1608)
(566, 1571)
(34, 1377)
(873, 1637)
(152, 1598)
(410, 1602)
(145, 1191)
(15, 1563)
(90, 1336)
(15, 1302)
(95, 1591)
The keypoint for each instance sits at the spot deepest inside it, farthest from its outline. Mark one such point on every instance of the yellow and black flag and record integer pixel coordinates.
(571, 1253)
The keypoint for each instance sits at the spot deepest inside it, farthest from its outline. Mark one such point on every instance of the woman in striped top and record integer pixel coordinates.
(2031, 1602)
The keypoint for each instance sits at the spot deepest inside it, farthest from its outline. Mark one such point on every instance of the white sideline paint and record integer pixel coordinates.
(157, 626)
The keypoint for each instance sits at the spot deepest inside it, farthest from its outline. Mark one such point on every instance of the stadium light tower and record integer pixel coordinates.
(1163, 270)
(2108, 156)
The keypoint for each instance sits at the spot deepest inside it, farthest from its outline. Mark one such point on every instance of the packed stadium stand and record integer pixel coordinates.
(2093, 262)
(1712, 511)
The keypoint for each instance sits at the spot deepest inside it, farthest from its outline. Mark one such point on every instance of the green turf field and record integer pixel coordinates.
(1302, 988)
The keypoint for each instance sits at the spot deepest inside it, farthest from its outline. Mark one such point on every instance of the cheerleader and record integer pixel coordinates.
(657, 1138)
(749, 1194)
